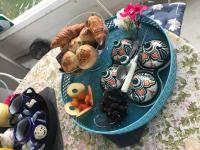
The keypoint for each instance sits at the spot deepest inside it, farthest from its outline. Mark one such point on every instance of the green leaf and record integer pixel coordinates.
(196, 84)
(192, 72)
(182, 80)
(195, 55)
(197, 63)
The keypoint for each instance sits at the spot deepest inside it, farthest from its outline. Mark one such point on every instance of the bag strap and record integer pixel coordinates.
(11, 77)
(29, 89)
(6, 86)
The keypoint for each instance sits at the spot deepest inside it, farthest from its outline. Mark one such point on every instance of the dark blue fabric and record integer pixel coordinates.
(169, 15)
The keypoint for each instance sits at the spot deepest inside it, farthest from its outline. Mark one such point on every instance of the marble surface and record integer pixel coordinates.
(175, 127)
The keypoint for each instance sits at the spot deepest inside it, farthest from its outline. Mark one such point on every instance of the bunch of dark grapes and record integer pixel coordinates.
(114, 104)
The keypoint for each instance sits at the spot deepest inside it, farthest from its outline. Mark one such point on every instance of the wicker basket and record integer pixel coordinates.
(137, 116)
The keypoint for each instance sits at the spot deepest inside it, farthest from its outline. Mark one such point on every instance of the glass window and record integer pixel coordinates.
(14, 8)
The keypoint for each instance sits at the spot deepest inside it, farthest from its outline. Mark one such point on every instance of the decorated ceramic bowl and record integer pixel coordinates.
(109, 79)
(32, 129)
(143, 88)
(121, 48)
(154, 54)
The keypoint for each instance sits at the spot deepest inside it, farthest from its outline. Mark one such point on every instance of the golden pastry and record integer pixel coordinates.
(74, 89)
(85, 37)
(86, 56)
(75, 44)
(69, 62)
(96, 25)
(63, 37)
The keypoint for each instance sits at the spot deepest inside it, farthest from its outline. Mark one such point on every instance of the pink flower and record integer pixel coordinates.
(131, 10)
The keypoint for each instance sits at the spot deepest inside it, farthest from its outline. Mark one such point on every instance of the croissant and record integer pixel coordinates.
(98, 29)
(63, 37)
(85, 37)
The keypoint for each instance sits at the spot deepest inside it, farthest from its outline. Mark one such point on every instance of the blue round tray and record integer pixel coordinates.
(137, 116)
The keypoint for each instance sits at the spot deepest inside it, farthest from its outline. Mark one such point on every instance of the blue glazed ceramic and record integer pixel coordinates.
(109, 81)
(32, 130)
(121, 48)
(140, 115)
(25, 104)
(143, 88)
(154, 54)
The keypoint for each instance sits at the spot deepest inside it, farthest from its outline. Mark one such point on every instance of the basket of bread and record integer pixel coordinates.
(79, 44)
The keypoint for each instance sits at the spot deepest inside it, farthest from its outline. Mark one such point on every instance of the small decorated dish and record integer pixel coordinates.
(121, 48)
(143, 88)
(154, 54)
(109, 79)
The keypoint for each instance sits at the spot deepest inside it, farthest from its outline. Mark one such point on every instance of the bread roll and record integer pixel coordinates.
(96, 25)
(75, 44)
(63, 37)
(87, 56)
(69, 62)
(85, 37)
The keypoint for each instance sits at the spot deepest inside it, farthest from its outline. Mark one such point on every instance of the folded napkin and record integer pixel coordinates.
(169, 15)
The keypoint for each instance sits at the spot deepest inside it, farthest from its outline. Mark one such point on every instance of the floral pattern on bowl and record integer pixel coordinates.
(121, 48)
(154, 54)
(143, 88)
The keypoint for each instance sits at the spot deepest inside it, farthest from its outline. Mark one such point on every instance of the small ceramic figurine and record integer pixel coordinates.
(143, 88)
(121, 48)
(154, 54)
(7, 138)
